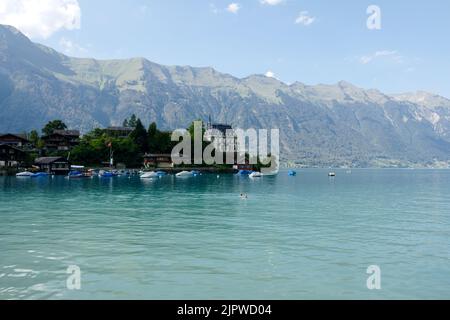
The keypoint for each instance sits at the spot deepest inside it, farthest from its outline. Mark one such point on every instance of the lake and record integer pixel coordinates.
(303, 237)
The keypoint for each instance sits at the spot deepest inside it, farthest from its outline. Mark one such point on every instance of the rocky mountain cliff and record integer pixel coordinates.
(320, 125)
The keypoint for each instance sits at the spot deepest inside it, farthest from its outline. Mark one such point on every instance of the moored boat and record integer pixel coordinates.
(149, 175)
(244, 172)
(256, 175)
(92, 172)
(107, 174)
(39, 175)
(184, 174)
(78, 175)
(270, 174)
(24, 174)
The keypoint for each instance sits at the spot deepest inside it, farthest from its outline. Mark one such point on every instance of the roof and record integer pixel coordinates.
(221, 125)
(120, 129)
(11, 147)
(67, 132)
(48, 160)
(64, 133)
(223, 128)
(16, 135)
(153, 155)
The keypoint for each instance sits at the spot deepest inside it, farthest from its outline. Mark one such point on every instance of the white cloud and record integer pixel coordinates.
(272, 2)
(234, 8)
(391, 54)
(71, 48)
(305, 19)
(41, 19)
(270, 74)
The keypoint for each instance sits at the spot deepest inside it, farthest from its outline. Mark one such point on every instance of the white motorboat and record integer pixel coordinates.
(270, 174)
(184, 174)
(24, 174)
(149, 175)
(256, 175)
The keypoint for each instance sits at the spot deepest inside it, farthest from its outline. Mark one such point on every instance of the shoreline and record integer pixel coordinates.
(209, 170)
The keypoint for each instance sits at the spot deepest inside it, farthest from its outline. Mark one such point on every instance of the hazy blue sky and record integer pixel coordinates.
(309, 41)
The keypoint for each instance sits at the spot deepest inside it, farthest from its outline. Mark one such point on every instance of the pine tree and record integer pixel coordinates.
(132, 123)
(139, 136)
(152, 135)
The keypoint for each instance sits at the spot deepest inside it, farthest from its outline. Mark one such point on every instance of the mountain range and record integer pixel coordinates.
(324, 125)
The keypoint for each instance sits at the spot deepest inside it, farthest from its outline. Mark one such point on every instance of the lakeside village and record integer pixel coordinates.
(126, 150)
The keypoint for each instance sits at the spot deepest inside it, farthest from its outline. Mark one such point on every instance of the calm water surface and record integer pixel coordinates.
(301, 237)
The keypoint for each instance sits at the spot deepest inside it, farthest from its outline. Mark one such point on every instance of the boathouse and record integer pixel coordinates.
(158, 161)
(53, 165)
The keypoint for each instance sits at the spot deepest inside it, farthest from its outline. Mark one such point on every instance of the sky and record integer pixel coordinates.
(403, 48)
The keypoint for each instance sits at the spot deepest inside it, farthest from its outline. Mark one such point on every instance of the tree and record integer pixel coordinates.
(159, 141)
(34, 138)
(133, 122)
(89, 152)
(152, 132)
(126, 152)
(197, 136)
(52, 126)
(139, 136)
(163, 141)
(96, 133)
(191, 128)
(130, 123)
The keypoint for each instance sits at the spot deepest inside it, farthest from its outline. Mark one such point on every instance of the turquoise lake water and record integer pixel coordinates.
(304, 237)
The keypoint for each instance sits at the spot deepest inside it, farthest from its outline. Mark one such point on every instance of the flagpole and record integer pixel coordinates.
(111, 153)
(111, 160)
